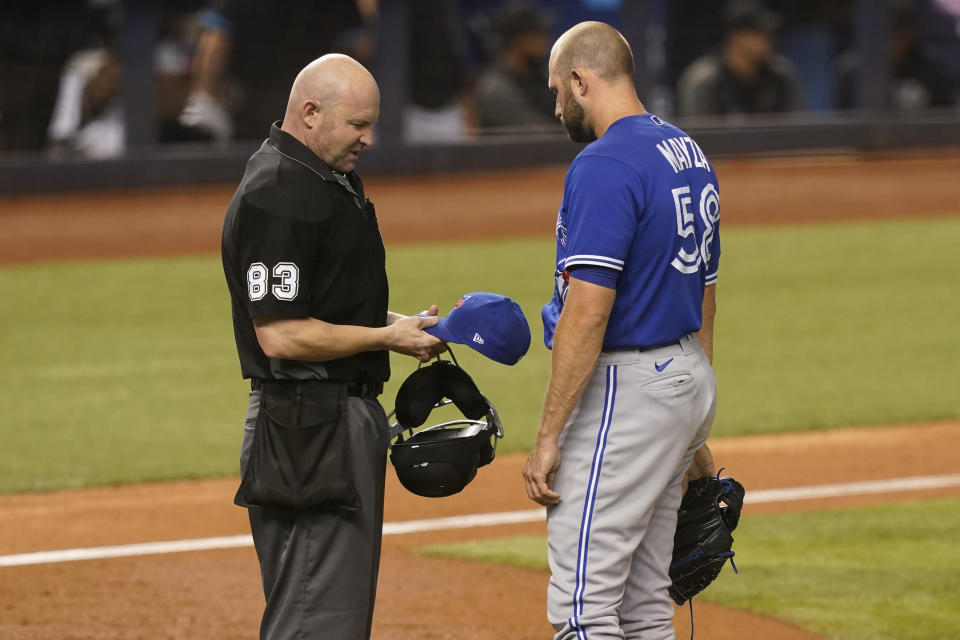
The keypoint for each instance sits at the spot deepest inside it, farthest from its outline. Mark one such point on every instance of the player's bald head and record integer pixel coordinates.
(328, 80)
(594, 46)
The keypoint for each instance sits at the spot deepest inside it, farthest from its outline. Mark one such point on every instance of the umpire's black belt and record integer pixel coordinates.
(358, 388)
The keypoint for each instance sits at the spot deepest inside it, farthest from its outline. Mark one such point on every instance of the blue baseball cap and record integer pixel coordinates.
(489, 323)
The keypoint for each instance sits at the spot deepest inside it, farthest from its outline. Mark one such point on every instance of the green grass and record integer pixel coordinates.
(818, 326)
(877, 573)
(125, 371)
(529, 552)
(116, 372)
(844, 324)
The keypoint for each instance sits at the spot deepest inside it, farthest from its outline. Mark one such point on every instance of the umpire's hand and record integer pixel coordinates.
(407, 336)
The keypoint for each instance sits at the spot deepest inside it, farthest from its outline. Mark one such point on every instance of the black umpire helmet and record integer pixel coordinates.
(442, 459)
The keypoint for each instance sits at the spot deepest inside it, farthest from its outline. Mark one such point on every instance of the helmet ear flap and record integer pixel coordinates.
(425, 387)
(418, 395)
(487, 453)
(462, 390)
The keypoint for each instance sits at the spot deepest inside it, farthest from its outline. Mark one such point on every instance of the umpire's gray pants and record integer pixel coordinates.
(320, 569)
(622, 456)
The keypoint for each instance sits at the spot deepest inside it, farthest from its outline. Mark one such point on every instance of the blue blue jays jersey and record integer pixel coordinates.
(643, 202)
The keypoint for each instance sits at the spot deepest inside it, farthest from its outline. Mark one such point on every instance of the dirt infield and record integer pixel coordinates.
(215, 594)
(475, 206)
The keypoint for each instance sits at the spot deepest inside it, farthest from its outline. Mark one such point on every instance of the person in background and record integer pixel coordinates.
(247, 51)
(917, 81)
(510, 92)
(440, 104)
(747, 75)
(36, 39)
(89, 117)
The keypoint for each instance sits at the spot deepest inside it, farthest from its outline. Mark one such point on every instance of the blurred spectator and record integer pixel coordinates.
(917, 81)
(35, 40)
(440, 106)
(747, 76)
(513, 90)
(248, 53)
(88, 117)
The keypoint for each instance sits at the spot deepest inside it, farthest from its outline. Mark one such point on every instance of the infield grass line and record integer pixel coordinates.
(867, 487)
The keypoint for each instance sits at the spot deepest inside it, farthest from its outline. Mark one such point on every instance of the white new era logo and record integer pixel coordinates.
(477, 338)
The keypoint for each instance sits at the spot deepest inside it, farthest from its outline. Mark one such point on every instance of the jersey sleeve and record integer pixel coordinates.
(602, 205)
(277, 259)
(603, 276)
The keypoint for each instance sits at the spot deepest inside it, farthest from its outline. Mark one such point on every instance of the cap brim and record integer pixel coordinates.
(442, 331)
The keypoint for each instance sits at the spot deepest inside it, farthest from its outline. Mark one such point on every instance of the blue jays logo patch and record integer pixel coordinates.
(562, 283)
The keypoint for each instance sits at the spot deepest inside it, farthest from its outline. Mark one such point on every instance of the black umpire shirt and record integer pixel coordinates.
(302, 241)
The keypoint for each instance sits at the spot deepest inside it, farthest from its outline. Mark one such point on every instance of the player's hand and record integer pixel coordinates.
(539, 472)
(407, 336)
(700, 466)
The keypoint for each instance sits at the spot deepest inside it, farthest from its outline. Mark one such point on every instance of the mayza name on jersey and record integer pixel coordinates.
(683, 153)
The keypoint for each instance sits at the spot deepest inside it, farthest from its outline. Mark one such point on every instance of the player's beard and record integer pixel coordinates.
(575, 121)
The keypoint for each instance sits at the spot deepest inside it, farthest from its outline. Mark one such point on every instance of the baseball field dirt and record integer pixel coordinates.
(215, 594)
(477, 206)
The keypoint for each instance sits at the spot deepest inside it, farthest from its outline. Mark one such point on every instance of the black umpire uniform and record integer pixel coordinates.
(300, 240)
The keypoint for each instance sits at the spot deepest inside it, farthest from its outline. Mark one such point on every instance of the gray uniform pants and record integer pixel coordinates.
(320, 568)
(622, 456)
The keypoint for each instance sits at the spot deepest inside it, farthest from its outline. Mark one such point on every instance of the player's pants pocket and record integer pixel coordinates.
(675, 382)
(300, 456)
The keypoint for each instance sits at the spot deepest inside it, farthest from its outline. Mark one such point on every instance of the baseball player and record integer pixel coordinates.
(632, 392)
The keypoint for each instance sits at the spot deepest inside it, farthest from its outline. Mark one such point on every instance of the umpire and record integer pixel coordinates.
(305, 266)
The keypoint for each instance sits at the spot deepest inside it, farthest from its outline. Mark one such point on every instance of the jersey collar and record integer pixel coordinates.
(295, 150)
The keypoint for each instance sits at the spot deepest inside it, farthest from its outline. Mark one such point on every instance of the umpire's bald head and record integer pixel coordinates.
(333, 105)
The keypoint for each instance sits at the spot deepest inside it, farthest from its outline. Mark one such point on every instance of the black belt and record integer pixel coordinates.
(358, 388)
(672, 343)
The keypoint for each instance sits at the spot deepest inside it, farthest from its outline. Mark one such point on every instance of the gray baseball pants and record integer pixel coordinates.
(319, 569)
(623, 454)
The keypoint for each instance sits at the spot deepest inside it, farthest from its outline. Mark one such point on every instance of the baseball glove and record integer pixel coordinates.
(709, 512)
